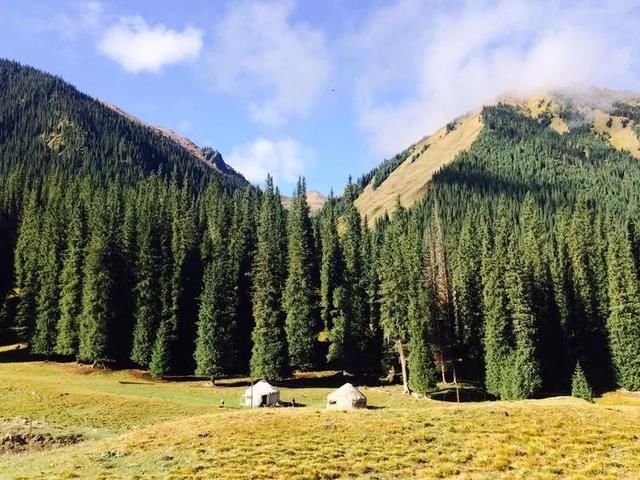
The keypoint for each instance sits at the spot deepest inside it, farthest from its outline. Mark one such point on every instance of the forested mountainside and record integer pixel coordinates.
(49, 130)
(406, 175)
(517, 268)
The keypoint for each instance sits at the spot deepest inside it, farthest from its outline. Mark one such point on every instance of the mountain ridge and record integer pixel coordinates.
(407, 175)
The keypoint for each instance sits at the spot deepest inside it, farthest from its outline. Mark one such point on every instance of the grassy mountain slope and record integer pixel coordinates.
(615, 116)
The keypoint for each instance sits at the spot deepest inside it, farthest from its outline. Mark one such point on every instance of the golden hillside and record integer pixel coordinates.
(564, 109)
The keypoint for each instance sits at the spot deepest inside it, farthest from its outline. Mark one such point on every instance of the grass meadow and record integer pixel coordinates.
(126, 425)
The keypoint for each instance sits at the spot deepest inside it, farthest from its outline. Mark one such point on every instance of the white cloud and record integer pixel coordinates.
(422, 63)
(278, 66)
(285, 159)
(139, 47)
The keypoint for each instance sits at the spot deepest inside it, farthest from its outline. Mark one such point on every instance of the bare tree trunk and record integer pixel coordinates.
(442, 370)
(455, 382)
(403, 366)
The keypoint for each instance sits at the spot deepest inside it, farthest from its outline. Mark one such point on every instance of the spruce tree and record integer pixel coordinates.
(497, 329)
(355, 328)
(587, 331)
(243, 244)
(148, 309)
(47, 309)
(26, 268)
(467, 296)
(535, 257)
(269, 357)
(71, 284)
(299, 299)
(331, 265)
(394, 289)
(97, 318)
(422, 369)
(215, 351)
(160, 363)
(580, 387)
(524, 376)
(624, 320)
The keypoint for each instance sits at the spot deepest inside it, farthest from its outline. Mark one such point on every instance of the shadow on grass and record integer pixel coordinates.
(17, 354)
(465, 394)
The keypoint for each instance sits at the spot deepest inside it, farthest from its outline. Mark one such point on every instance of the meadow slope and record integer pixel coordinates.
(133, 427)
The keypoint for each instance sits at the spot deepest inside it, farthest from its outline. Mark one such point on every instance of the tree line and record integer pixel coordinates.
(518, 270)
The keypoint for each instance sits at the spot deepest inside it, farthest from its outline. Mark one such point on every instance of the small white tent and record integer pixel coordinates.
(262, 394)
(347, 396)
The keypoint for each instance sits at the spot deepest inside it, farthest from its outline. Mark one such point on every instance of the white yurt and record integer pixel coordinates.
(347, 396)
(261, 394)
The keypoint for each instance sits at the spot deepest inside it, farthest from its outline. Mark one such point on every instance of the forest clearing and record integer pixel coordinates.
(128, 425)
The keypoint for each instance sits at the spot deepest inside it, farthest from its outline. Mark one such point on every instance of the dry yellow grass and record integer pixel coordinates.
(409, 180)
(175, 430)
(621, 138)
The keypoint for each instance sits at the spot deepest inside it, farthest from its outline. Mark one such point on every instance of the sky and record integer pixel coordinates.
(323, 89)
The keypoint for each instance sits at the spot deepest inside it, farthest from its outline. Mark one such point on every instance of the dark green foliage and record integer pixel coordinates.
(269, 357)
(524, 377)
(60, 129)
(300, 297)
(331, 265)
(148, 309)
(467, 297)
(47, 309)
(624, 320)
(215, 350)
(98, 315)
(521, 261)
(71, 283)
(498, 335)
(26, 268)
(580, 387)
(161, 355)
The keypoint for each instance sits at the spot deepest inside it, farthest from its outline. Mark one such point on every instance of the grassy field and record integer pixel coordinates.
(133, 427)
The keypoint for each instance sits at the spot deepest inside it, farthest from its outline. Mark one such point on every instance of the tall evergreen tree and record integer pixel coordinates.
(394, 289)
(467, 296)
(215, 351)
(353, 333)
(148, 309)
(269, 357)
(624, 320)
(536, 264)
(331, 265)
(524, 375)
(97, 319)
(48, 307)
(26, 268)
(497, 329)
(422, 369)
(243, 244)
(300, 298)
(71, 283)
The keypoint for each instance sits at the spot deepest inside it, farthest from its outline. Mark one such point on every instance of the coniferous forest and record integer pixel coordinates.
(519, 270)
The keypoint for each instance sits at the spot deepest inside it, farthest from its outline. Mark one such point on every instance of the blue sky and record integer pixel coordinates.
(319, 88)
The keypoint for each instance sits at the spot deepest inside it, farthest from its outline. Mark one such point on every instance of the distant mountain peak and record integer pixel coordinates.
(207, 155)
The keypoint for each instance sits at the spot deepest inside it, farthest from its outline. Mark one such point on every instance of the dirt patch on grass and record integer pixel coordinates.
(20, 435)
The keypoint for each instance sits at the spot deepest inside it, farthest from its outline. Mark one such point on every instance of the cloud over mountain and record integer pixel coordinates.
(139, 47)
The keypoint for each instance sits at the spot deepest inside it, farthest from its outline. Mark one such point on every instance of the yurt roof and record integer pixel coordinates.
(262, 388)
(346, 390)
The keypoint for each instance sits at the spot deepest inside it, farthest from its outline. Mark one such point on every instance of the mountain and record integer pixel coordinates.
(209, 156)
(613, 115)
(315, 200)
(57, 128)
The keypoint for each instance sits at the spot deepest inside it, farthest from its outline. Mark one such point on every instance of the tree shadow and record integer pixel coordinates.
(464, 395)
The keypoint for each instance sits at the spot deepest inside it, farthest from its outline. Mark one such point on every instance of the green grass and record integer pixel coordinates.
(138, 428)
